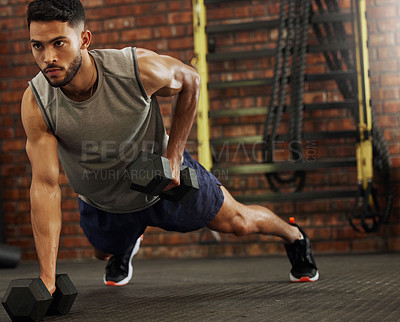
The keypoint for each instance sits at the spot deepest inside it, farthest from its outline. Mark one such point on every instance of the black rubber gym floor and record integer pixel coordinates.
(351, 288)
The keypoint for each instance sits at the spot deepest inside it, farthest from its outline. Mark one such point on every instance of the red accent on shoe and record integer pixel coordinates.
(291, 220)
(304, 279)
(111, 283)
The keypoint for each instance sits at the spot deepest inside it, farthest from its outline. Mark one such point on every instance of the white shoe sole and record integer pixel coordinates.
(304, 278)
(130, 271)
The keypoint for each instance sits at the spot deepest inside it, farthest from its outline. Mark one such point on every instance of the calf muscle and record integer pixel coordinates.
(240, 219)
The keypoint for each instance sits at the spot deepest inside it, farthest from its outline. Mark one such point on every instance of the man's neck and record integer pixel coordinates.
(84, 84)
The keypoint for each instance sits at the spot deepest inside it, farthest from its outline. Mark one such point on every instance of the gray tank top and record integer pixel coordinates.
(98, 138)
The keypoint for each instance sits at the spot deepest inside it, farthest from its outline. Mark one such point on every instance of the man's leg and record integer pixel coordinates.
(116, 238)
(101, 255)
(240, 219)
(119, 268)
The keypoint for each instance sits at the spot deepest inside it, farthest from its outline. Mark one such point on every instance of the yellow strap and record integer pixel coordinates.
(200, 61)
(364, 148)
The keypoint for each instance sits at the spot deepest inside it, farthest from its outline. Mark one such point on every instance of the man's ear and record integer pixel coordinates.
(86, 38)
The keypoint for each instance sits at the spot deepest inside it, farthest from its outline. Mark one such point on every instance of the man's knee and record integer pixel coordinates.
(101, 255)
(232, 217)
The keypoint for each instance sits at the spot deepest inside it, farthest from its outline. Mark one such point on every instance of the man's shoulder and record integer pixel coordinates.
(109, 53)
(39, 79)
(40, 86)
(42, 91)
(28, 99)
(118, 62)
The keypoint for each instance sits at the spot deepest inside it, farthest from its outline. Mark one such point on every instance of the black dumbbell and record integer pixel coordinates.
(151, 173)
(64, 296)
(29, 299)
(187, 188)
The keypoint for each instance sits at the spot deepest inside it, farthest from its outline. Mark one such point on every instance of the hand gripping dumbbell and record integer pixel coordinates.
(151, 173)
(29, 299)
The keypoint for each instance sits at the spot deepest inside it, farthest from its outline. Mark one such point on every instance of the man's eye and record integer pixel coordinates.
(59, 43)
(37, 46)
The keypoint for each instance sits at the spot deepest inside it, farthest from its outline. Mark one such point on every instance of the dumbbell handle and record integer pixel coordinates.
(188, 187)
(151, 174)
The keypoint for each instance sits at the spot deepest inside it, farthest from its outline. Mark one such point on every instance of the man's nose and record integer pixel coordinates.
(50, 56)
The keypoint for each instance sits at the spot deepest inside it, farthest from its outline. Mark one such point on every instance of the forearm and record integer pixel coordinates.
(182, 121)
(46, 225)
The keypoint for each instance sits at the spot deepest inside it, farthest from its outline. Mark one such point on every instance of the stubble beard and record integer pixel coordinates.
(70, 73)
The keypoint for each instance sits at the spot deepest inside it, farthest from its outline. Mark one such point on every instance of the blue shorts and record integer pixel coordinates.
(114, 233)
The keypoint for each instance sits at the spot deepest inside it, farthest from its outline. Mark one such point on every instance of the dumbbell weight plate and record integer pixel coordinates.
(64, 296)
(189, 185)
(27, 300)
(150, 173)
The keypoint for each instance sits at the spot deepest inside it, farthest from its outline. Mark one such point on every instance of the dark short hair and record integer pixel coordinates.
(70, 11)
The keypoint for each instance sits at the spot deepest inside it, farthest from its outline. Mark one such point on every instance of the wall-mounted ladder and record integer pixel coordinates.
(346, 56)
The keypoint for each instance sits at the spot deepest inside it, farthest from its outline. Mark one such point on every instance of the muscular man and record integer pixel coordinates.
(95, 111)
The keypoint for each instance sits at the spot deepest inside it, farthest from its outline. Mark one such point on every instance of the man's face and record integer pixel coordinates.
(56, 48)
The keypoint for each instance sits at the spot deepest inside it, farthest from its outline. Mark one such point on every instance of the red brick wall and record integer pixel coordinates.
(166, 27)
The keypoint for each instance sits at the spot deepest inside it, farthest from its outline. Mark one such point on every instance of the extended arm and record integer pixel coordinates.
(45, 193)
(167, 76)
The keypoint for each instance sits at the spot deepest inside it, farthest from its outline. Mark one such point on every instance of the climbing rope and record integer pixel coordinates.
(297, 22)
(294, 19)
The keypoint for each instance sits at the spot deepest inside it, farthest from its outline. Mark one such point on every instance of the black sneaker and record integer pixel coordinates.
(304, 268)
(119, 269)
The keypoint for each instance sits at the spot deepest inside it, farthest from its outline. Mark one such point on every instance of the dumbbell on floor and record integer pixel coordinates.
(63, 297)
(29, 299)
(151, 173)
